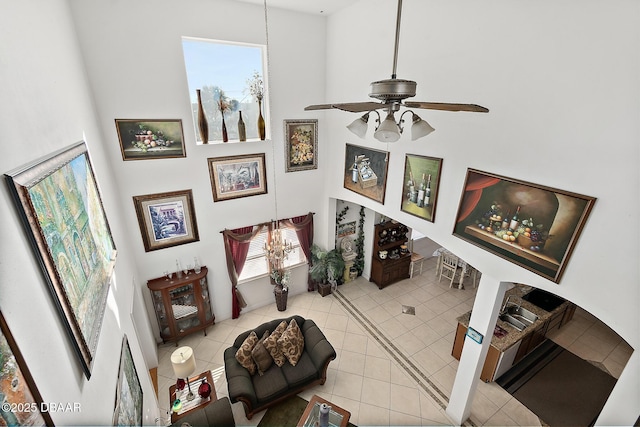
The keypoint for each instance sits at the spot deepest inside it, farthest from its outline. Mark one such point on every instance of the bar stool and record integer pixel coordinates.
(416, 261)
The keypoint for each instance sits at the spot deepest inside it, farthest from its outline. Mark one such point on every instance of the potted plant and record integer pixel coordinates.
(281, 290)
(326, 266)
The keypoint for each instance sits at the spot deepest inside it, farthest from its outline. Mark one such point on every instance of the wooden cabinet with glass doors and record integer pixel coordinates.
(182, 305)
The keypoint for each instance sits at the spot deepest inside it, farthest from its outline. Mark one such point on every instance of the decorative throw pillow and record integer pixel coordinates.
(243, 355)
(271, 344)
(291, 342)
(261, 356)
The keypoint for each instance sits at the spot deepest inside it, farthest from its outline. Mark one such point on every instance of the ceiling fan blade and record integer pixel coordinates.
(318, 107)
(359, 107)
(446, 106)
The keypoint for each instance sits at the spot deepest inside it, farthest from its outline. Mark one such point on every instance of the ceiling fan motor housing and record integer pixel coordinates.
(393, 89)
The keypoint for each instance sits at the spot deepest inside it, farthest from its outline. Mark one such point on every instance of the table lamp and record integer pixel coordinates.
(184, 364)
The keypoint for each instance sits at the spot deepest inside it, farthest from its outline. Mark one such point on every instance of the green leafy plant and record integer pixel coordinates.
(359, 261)
(326, 264)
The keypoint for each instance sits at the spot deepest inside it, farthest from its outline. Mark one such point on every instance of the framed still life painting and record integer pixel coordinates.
(365, 171)
(166, 219)
(60, 206)
(420, 186)
(531, 225)
(21, 404)
(128, 406)
(237, 176)
(145, 139)
(301, 145)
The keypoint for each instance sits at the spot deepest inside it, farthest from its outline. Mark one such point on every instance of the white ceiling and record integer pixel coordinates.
(319, 7)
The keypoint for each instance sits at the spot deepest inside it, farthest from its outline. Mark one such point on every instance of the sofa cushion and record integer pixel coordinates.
(270, 385)
(261, 356)
(271, 344)
(304, 371)
(291, 343)
(243, 355)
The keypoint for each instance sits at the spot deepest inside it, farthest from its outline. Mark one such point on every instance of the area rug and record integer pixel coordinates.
(286, 413)
(558, 386)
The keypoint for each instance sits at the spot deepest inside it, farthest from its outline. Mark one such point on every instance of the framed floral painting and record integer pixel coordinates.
(301, 145)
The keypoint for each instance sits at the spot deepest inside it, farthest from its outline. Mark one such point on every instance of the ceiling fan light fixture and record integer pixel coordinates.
(359, 126)
(388, 131)
(420, 128)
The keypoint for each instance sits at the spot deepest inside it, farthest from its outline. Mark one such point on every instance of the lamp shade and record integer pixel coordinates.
(420, 128)
(388, 130)
(359, 126)
(183, 361)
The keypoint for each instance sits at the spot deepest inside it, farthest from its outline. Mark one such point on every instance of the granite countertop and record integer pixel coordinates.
(513, 335)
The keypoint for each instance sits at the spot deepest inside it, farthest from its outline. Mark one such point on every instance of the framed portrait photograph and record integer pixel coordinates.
(22, 403)
(145, 139)
(420, 186)
(365, 171)
(301, 145)
(59, 203)
(237, 176)
(534, 226)
(128, 406)
(166, 219)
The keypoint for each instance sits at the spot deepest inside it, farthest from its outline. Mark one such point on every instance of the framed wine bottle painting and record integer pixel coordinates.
(420, 186)
(531, 225)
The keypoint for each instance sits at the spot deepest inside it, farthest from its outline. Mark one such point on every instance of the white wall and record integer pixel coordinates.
(135, 64)
(46, 105)
(561, 83)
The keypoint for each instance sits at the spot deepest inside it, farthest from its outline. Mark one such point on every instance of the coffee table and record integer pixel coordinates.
(197, 402)
(337, 415)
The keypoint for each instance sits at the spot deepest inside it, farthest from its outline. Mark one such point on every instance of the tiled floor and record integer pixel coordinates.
(393, 368)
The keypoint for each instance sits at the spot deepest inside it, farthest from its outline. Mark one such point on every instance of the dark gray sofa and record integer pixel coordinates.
(258, 392)
(215, 414)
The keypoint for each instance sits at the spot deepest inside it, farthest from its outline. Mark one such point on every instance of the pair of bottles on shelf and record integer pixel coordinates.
(197, 268)
(422, 196)
(511, 224)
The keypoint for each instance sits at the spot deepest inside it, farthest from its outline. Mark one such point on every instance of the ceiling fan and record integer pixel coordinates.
(392, 93)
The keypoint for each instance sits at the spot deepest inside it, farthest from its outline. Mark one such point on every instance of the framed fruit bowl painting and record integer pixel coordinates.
(531, 225)
(301, 145)
(145, 139)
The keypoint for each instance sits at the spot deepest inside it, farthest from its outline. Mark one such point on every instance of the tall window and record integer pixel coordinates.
(256, 264)
(227, 73)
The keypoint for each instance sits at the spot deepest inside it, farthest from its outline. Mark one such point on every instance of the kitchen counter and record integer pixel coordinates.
(513, 335)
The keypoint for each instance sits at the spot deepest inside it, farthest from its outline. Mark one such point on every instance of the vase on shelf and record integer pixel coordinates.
(242, 131)
(205, 389)
(261, 124)
(225, 136)
(203, 125)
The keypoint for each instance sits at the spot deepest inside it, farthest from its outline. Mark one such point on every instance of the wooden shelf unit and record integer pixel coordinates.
(182, 305)
(389, 236)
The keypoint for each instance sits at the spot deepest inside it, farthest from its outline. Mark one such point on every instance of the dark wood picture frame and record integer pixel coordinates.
(416, 201)
(233, 177)
(58, 200)
(301, 145)
(22, 399)
(369, 179)
(549, 221)
(128, 402)
(149, 139)
(166, 219)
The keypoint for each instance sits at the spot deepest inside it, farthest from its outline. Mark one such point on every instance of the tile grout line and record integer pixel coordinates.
(410, 368)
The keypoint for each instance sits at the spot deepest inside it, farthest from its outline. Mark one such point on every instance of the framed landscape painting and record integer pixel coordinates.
(237, 176)
(60, 206)
(21, 404)
(145, 139)
(128, 406)
(301, 145)
(420, 186)
(531, 225)
(166, 219)
(365, 171)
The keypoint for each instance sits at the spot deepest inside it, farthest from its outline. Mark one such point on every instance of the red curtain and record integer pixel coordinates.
(236, 247)
(304, 231)
(473, 192)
